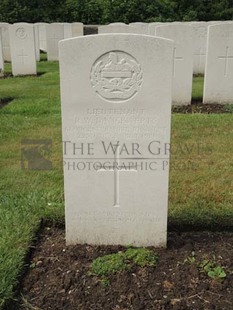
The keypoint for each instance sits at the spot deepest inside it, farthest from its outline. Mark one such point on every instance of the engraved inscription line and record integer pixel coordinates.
(23, 56)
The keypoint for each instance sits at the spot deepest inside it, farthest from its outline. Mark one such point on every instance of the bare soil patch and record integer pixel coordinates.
(198, 107)
(58, 276)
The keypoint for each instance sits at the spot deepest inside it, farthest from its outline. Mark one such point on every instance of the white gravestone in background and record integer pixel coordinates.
(118, 24)
(218, 84)
(182, 61)
(77, 29)
(54, 34)
(68, 31)
(37, 42)
(22, 42)
(42, 36)
(116, 109)
(1, 58)
(4, 29)
(199, 46)
(152, 26)
(119, 29)
(142, 27)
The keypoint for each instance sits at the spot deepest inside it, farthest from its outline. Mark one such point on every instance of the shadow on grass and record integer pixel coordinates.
(197, 101)
(176, 226)
(5, 101)
(10, 75)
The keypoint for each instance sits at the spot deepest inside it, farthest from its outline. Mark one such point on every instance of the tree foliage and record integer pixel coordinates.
(106, 11)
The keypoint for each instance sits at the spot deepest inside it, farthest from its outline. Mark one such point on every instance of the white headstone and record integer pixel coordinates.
(22, 42)
(142, 27)
(215, 22)
(118, 29)
(199, 46)
(182, 61)
(54, 34)
(37, 42)
(42, 36)
(1, 58)
(218, 85)
(68, 32)
(116, 91)
(77, 29)
(4, 29)
(117, 24)
(152, 26)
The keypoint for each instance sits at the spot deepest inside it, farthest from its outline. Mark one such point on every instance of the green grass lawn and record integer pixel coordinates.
(198, 85)
(200, 181)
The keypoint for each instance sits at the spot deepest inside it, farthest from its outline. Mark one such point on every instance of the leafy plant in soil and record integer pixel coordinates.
(217, 273)
(141, 257)
(110, 264)
(191, 259)
(213, 270)
(210, 267)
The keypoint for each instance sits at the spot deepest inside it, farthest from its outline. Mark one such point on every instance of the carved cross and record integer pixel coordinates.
(227, 57)
(174, 61)
(117, 169)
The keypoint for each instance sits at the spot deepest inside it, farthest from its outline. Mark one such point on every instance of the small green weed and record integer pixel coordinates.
(191, 259)
(110, 264)
(217, 273)
(206, 265)
(104, 282)
(141, 257)
(210, 267)
(213, 270)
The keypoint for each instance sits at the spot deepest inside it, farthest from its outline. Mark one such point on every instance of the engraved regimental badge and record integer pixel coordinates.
(116, 76)
(21, 33)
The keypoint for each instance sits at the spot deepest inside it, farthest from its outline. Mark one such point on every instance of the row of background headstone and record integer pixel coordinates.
(22, 43)
(199, 36)
(190, 51)
(66, 30)
(199, 48)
